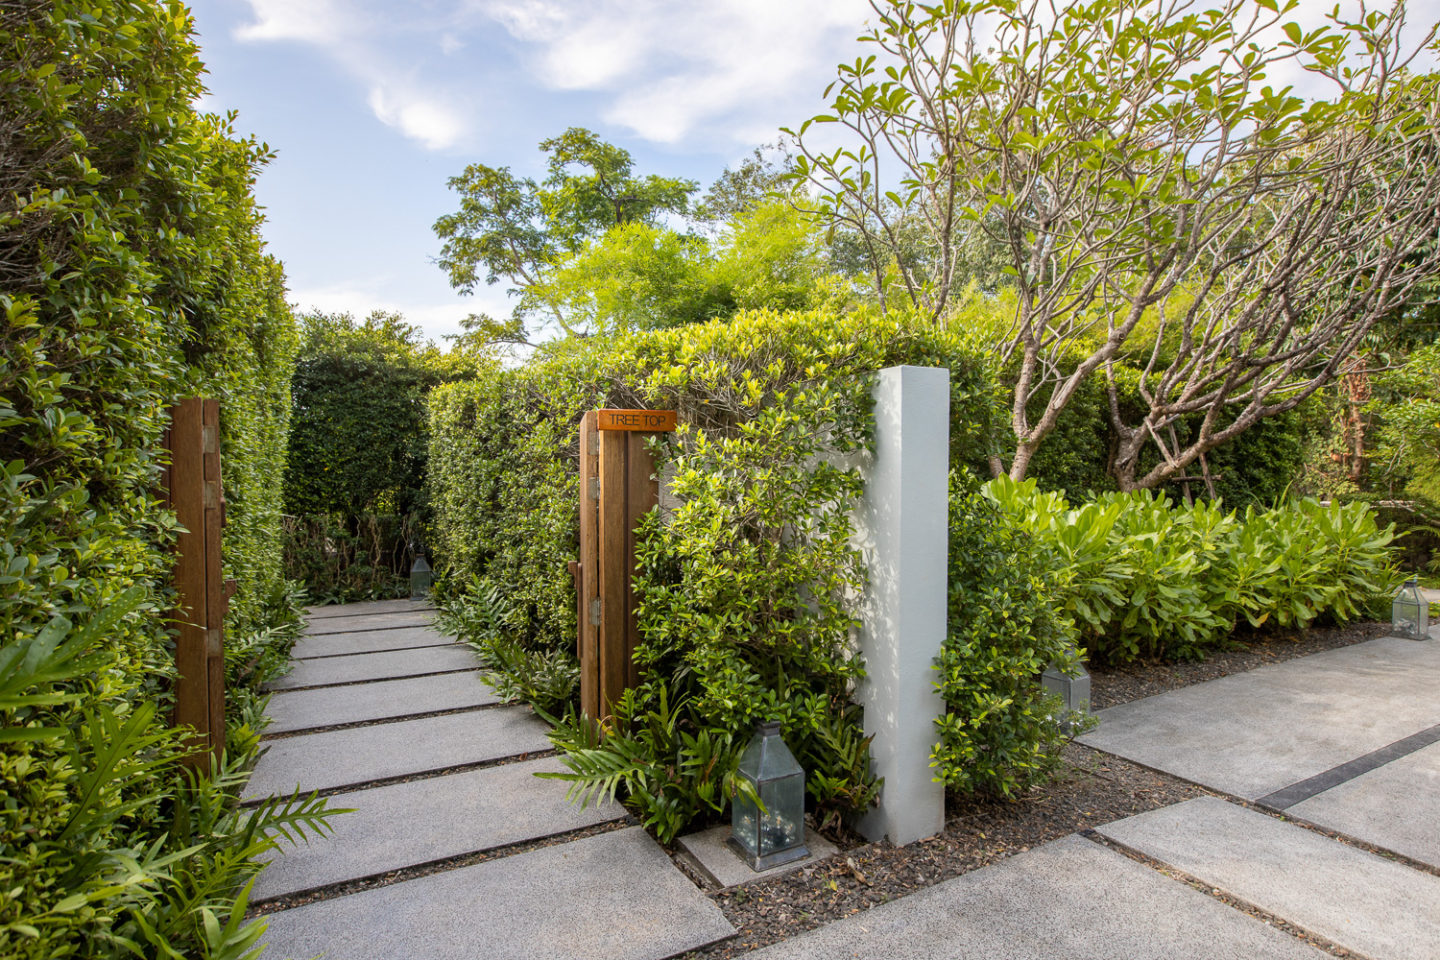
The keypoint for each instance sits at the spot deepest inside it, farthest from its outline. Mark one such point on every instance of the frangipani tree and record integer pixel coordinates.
(1172, 221)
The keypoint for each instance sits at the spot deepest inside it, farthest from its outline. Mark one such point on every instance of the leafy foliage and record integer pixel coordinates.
(1001, 732)
(131, 274)
(1142, 577)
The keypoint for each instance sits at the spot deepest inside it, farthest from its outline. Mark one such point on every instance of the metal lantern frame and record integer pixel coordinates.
(772, 833)
(1410, 612)
(1072, 688)
(421, 577)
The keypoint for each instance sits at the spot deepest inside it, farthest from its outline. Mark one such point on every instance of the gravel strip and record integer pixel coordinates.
(1110, 686)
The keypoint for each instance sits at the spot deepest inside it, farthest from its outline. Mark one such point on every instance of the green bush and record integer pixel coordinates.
(1001, 732)
(131, 274)
(1142, 577)
(727, 639)
(339, 561)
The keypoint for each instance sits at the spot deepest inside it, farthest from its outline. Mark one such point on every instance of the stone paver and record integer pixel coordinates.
(342, 758)
(615, 896)
(391, 665)
(378, 621)
(407, 824)
(1396, 806)
(368, 641)
(1370, 905)
(292, 710)
(1067, 899)
(367, 607)
(1253, 733)
(715, 857)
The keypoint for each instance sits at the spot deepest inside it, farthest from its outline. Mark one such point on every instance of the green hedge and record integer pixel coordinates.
(758, 395)
(132, 275)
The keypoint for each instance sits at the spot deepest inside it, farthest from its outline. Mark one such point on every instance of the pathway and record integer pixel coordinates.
(1329, 825)
(454, 848)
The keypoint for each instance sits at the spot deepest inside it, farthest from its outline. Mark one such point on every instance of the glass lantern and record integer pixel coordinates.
(1410, 612)
(420, 576)
(1073, 689)
(775, 835)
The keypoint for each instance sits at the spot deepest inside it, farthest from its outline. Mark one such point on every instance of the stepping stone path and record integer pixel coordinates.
(455, 848)
(1347, 741)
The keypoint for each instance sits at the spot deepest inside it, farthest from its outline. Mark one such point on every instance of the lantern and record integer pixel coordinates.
(1410, 612)
(1073, 689)
(775, 835)
(420, 576)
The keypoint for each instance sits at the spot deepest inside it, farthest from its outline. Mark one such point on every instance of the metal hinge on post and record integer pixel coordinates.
(594, 488)
(595, 612)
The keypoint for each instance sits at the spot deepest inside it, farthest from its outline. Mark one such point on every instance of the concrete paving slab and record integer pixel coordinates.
(1253, 733)
(373, 621)
(1069, 898)
(368, 641)
(367, 607)
(714, 856)
(1396, 806)
(291, 710)
(375, 666)
(615, 896)
(343, 758)
(408, 824)
(1370, 905)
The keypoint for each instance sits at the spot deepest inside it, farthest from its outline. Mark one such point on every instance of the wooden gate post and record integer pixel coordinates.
(617, 487)
(194, 491)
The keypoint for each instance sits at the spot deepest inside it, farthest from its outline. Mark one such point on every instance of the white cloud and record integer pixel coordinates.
(676, 67)
(356, 40)
(432, 122)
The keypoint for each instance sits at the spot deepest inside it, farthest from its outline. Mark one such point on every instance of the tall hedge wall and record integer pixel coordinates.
(131, 274)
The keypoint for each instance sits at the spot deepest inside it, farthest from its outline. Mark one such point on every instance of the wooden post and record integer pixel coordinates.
(194, 490)
(588, 585)
(617, 488)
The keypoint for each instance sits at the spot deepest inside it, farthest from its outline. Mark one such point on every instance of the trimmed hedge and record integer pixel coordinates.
(760, 397)
(131, 275)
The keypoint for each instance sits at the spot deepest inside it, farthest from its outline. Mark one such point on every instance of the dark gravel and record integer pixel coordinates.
(1092, 789)
(1121, 684)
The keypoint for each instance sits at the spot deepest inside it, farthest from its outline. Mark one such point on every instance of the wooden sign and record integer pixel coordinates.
(658, 421)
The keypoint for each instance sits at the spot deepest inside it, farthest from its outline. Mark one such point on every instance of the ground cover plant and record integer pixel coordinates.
(1143, 577)
(131, 274)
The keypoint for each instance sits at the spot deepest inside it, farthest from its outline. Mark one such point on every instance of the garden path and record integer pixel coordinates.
(1323, 833)
(454, 848)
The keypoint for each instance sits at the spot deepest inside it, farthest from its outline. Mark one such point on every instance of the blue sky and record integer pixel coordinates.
(372, 105)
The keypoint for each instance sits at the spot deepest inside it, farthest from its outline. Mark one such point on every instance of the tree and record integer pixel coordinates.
(513, 229)
(1172, 224)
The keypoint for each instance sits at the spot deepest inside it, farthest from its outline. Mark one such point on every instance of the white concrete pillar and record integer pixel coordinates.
(904, 531)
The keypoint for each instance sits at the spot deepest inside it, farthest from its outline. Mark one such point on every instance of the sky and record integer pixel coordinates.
(372, 105)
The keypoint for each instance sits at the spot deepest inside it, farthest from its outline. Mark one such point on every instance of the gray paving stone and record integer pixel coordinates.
(368, 641)
(1253, 733)
(459, 813)
(1370, 905)
(331, 706)
(1396, 806)
(342, 758)
(376, 621)
(715, 856)
(1067, 899)
(615, 896)
(375, 666)
(366, 607)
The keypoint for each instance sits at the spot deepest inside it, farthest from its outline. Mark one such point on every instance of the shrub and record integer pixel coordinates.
(131, 274)
(1001, 732)
(367, 558)
(743, 588)
(1142, 577)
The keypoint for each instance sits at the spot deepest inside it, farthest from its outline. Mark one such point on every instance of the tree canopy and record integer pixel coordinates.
(1208, 244)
